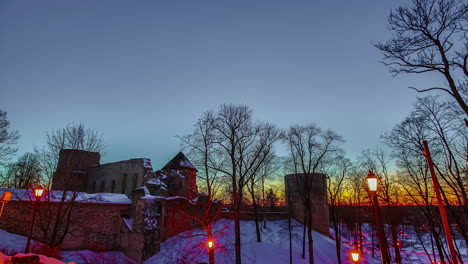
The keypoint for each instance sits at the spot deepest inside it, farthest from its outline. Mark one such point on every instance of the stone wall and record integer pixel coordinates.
(318, 191)
(94, 226)
(156, 219)
(118, 177)
(72, 169)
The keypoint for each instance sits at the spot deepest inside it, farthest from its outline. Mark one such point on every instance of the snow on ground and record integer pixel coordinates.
(273, 249)
(12, 244)
(412, 251)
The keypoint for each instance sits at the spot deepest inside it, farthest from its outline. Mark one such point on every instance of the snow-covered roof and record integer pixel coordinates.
(180, 160)
(56, 196)
(152, 197)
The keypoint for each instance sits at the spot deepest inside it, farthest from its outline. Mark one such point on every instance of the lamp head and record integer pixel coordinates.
(38, 192)
(372, 182)
(355, 255)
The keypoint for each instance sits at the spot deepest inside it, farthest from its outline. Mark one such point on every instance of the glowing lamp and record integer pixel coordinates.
(372, 181)
(5, 197)
(39, 192)
(210, 244)
(355, 255)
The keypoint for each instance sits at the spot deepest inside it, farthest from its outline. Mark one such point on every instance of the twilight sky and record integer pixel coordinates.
(142, 72)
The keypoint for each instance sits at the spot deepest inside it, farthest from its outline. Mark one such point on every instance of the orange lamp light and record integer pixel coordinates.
(39, 192)
(372, 181)
(210, 244)
(355, 255)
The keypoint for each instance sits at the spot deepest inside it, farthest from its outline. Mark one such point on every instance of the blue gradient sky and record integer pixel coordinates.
(142, 72)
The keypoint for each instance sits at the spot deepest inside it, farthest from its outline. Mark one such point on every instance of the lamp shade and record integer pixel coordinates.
(372, 182)
(355, 255)
(39, 192)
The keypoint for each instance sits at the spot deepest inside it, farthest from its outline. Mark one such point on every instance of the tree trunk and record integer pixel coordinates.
(237, 234)
(337, 232)
(310, 239)
(438, 245)
(290, 233)
(303, 234)
(257, 225)
(395, 243)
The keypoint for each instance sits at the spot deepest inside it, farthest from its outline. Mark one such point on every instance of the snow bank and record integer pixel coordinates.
(153, 197)
(58, 196)
(12, 244)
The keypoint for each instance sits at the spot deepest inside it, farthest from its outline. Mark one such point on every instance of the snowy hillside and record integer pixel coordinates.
(273, 249)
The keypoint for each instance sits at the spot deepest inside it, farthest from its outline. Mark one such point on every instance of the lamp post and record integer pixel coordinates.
(211, 250)
(443, 214)
(372, 183)
(38, 193)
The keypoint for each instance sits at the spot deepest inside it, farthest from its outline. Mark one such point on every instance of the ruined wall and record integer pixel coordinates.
(180, 182)
(118, 177)
(94, 226)
(72, 169)
(156, 219)
(320, 213)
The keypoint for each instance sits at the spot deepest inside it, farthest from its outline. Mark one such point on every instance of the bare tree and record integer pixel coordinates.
(377, 161)
(58, 208)
(310, 149)
(201, 149)
(337, 174)
(257, 183)
(243, 146)
(435, 122)
(73, 136)
(26, 173)
(430, 36)
(8, 138)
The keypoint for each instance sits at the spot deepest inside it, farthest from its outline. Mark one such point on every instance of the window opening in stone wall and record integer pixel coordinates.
(103, 186)
(94, 186)
(124, 183)
(135, 180)
(113, 186)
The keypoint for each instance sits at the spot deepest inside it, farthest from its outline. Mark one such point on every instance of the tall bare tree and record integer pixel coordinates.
(377, 161)
(430, 36)
(438, 122)
(337, 172)
(310, 149)
(8, 138)
(243, 145)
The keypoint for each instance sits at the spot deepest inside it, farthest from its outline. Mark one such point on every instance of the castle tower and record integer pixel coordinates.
(318, 192)
(72, 169)
(182, 177)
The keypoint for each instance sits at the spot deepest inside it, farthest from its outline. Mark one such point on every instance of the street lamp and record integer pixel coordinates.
(355, 255)
(372, 184)
(38, 193)
(211, 250)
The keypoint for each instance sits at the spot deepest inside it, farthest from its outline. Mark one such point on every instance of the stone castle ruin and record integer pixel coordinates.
(127, 206)
(103, 218)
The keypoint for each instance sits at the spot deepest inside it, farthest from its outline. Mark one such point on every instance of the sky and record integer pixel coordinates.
(143, 72)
